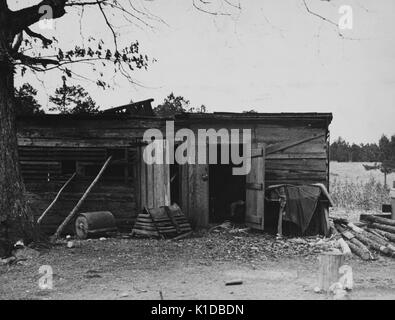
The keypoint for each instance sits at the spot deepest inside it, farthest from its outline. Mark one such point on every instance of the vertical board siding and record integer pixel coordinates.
(155, 182)
(255, 199)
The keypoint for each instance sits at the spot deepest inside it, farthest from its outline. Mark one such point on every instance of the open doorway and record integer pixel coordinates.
(175, 183)
(225, 189)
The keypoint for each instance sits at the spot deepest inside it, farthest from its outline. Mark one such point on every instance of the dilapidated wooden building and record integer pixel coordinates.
(291, 148)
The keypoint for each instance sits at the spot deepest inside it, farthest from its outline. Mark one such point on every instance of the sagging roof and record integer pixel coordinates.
(137, 110)
(143, 110)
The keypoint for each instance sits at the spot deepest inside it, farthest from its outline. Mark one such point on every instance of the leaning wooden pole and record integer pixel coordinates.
(78, 205)
(56, 199)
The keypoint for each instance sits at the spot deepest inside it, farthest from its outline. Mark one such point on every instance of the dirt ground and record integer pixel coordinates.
(195, 268)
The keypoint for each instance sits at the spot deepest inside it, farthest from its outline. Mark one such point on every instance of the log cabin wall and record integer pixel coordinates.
(52, 148)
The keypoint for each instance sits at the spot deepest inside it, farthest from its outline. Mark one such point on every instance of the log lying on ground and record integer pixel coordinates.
(389, 236)
(355, 245)
(354, 228)
(372, 244)
(363, 254)
(381, 241)
(374, 231)
(376, 238)
(383, 227)
(372, 218)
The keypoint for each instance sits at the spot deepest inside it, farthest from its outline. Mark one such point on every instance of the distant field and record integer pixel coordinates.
(354, 188)
(355, 172)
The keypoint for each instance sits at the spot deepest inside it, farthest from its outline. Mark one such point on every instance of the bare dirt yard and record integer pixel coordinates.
(195, 268)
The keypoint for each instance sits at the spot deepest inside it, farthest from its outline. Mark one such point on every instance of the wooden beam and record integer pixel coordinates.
(282, 146)
(80, 202)
(56, 199)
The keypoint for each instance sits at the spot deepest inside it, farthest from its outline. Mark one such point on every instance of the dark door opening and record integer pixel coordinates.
(175, 183)
(225, 189)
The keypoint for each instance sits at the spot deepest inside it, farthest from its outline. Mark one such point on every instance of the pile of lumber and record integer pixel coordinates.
(376, 235)
(164, 222)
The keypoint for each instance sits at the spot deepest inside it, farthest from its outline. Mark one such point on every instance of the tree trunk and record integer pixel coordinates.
(16, 221)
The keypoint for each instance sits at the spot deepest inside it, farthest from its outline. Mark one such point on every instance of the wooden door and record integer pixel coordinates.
(154, 181)
(255, 188)
(194, 191)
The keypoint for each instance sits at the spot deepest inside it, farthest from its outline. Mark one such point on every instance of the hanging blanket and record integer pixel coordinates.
(301, 202)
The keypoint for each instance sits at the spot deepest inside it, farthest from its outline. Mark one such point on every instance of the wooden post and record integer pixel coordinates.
(56, 199)
(330, 263)
(75, 209)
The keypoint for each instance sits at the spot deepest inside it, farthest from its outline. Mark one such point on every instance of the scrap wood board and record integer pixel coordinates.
(166, 222)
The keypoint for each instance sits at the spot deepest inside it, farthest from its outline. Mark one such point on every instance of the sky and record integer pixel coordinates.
(270, 56)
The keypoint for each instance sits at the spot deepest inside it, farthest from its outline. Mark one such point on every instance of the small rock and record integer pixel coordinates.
(19, 243)
(70, 244)
(317, 290)
(124, 295)
(103, 239)
(298, 240)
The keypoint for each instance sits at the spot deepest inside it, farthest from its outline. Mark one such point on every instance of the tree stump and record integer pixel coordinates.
(329, 264)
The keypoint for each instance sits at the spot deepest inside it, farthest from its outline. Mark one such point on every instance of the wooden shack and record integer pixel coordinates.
(286, 148)
(53, 147)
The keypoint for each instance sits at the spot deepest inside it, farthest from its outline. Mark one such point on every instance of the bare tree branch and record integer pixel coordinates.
(318, 15)
(108, 24)
(46, 42)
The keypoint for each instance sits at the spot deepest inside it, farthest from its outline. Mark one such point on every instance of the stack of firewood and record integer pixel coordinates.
(376, 235)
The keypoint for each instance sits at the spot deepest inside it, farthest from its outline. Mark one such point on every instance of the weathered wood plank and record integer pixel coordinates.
(295, 165)
(255, 184)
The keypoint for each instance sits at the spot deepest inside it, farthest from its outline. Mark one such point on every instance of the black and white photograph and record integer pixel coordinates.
(197, 155)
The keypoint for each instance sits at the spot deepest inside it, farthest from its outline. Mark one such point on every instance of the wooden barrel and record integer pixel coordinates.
(94, 224)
